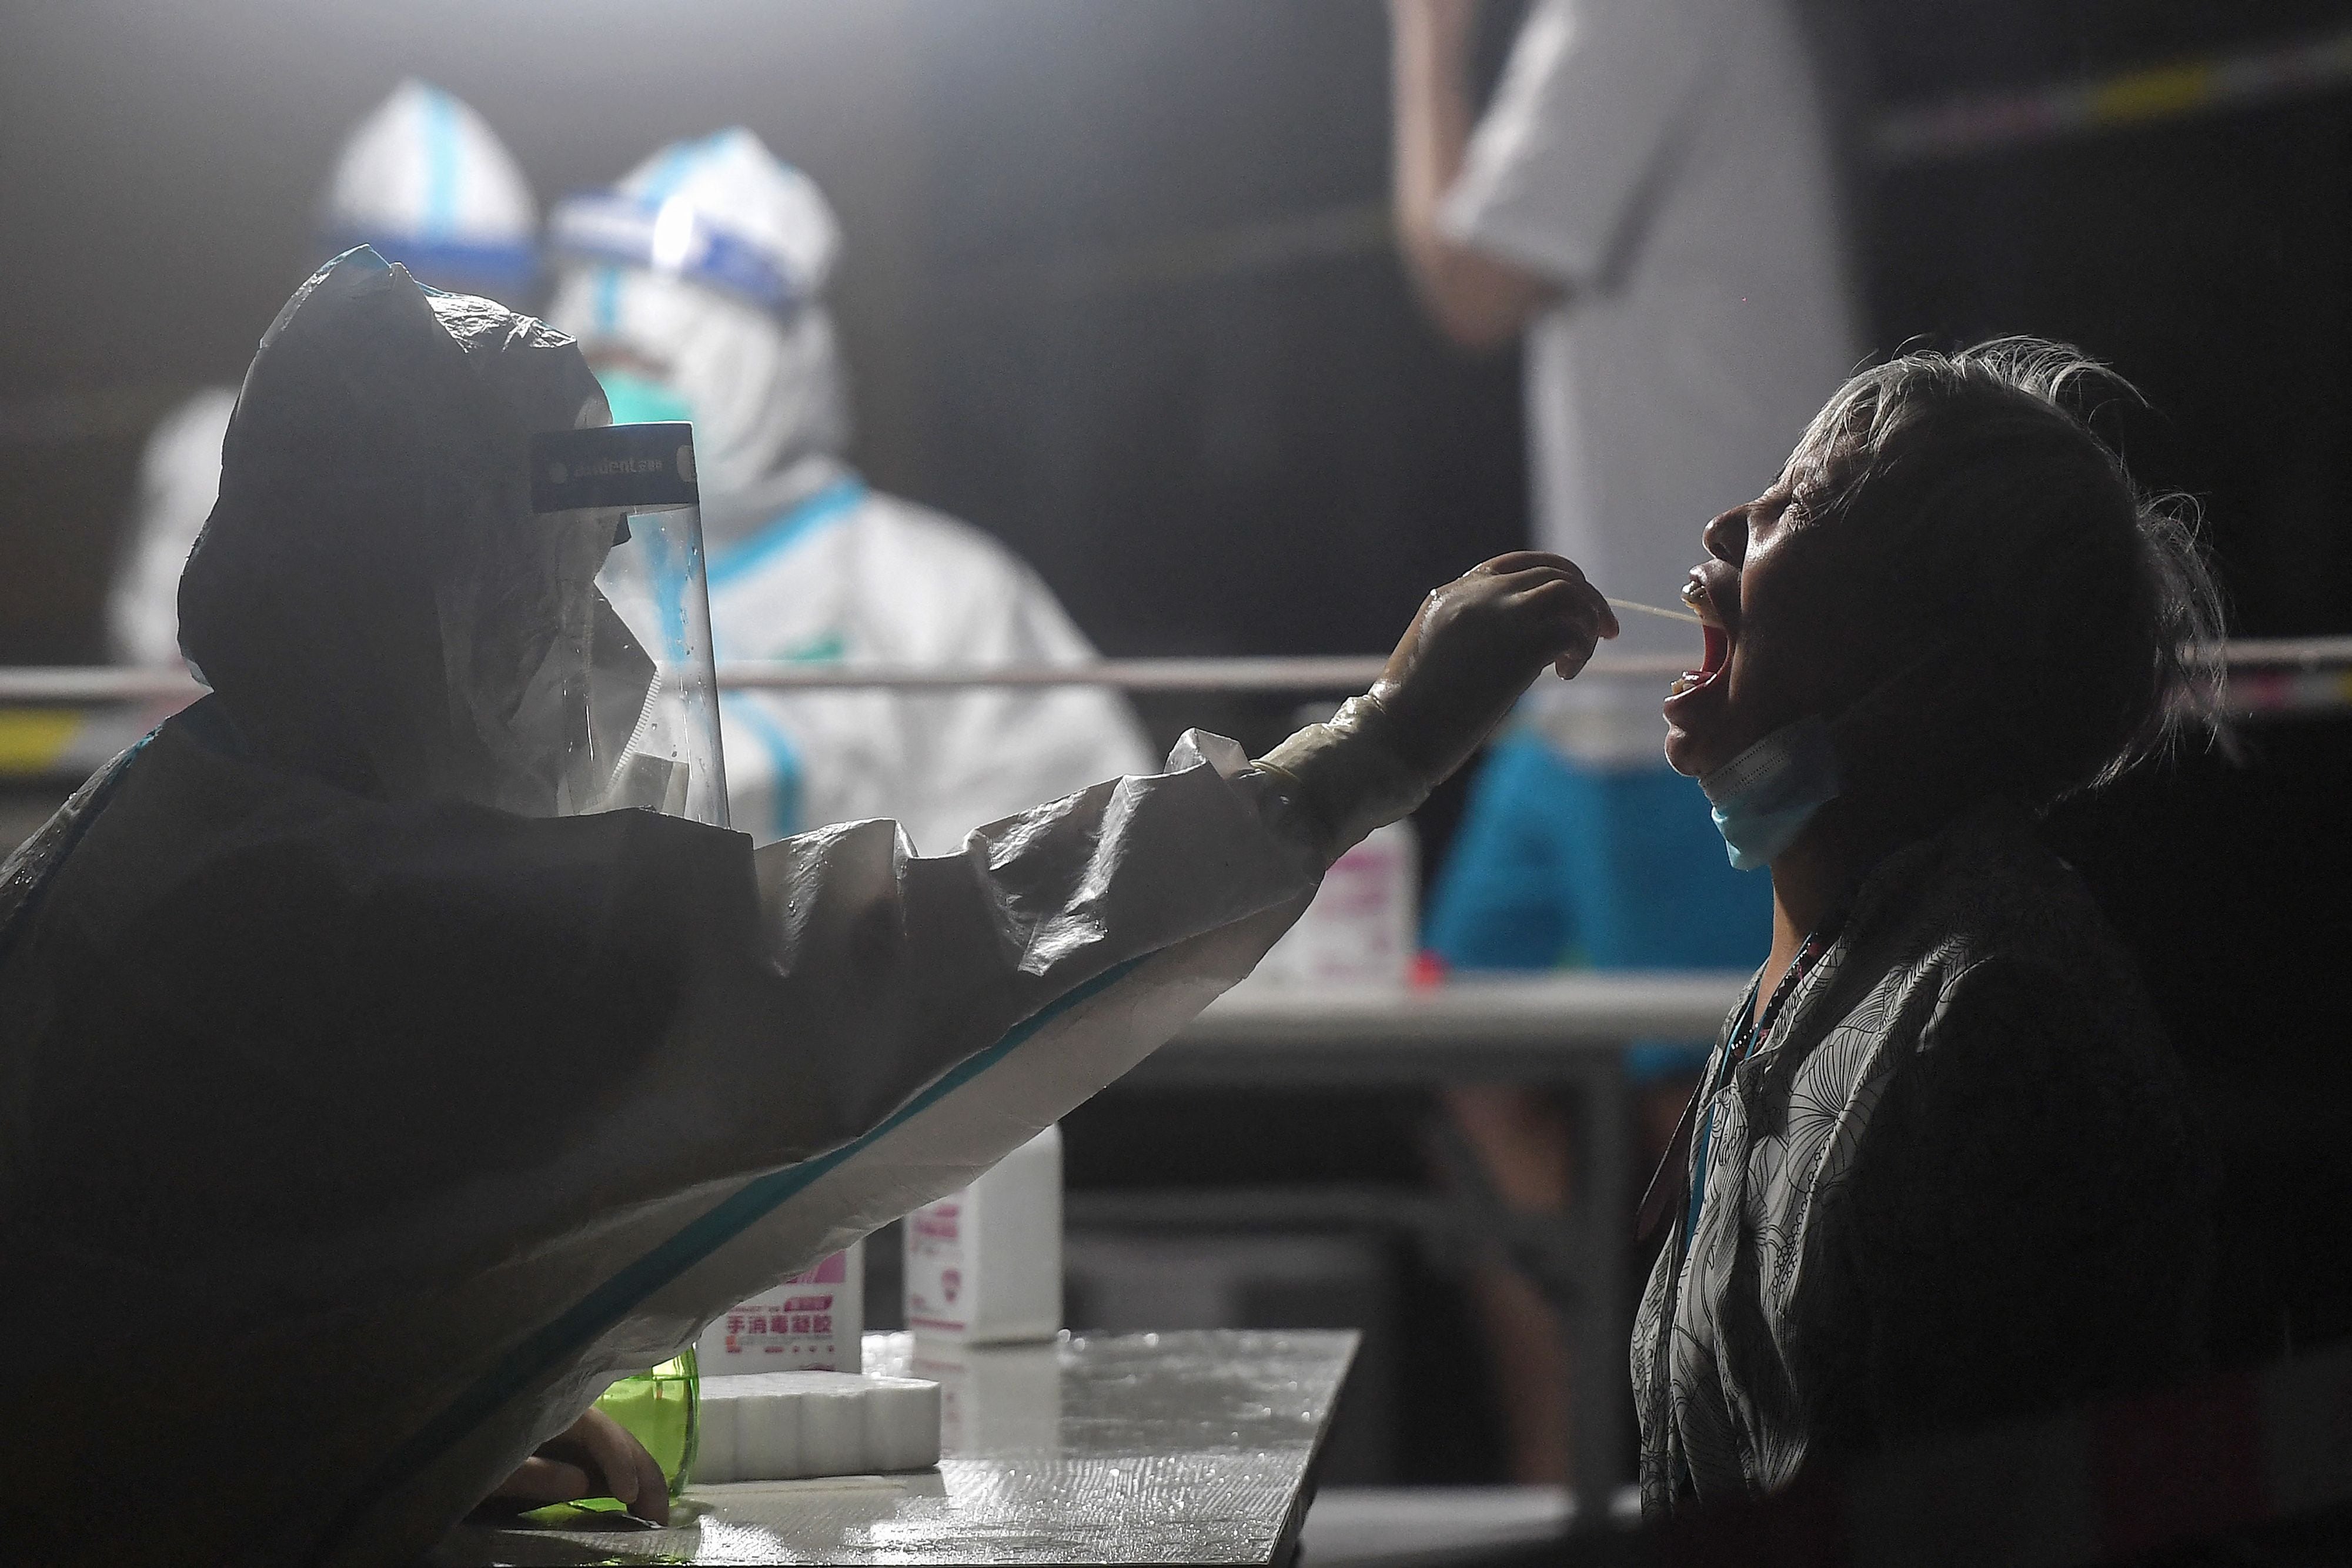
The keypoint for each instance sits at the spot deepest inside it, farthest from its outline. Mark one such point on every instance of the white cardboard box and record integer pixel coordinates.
(810, 1323)
(984, 1265)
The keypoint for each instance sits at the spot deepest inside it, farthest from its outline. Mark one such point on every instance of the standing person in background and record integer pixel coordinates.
(429, 184)
(1651, 202)
(696, 287)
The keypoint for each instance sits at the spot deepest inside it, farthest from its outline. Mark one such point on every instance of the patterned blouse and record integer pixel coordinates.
(1956, 1179)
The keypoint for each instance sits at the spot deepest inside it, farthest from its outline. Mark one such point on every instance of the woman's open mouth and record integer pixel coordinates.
(1718, 642)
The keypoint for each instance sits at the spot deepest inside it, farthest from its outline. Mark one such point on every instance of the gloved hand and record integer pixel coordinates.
(596, 1457)
(1470, 652)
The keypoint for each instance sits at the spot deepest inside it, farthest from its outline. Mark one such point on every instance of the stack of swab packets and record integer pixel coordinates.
(793, 1426)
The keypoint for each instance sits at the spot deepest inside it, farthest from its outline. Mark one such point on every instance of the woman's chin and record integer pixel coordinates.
(1693, 720)
(1684, 753)
(1703, 737)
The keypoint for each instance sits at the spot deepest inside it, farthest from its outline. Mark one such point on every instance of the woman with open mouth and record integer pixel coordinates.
(1940, 1168)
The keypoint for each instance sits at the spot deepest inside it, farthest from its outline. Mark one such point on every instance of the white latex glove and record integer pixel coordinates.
(1471, 651)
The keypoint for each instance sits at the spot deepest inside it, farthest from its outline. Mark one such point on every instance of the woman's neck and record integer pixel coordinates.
(1816, 879)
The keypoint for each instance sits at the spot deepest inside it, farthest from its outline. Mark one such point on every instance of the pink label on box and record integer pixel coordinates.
(832, 1270)
(806, 1323)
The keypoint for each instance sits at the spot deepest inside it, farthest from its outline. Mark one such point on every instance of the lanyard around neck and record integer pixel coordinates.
(1670, 1184)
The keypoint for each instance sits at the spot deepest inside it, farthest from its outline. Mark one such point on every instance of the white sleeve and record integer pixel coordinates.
(1582, 135)
(892, 969)
(881, 1029)
(445, 1116)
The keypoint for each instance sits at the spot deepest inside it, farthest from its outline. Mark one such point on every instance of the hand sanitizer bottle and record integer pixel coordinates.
(661, 1410)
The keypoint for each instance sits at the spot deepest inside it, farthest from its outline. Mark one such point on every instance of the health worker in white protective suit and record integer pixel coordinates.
(697, 289)
(375, 1094)
(428, 183)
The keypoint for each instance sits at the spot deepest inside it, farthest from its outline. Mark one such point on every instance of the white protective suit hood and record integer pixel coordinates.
(710, 260)
(373, 598)
(426, 183)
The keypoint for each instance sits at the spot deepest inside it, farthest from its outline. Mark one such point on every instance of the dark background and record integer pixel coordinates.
(1085, 299)
(1116, 290)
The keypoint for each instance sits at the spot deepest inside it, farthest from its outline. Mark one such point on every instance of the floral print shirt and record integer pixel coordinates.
(1956, 1179)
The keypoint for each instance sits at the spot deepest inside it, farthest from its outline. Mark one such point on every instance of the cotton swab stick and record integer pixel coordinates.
(1653, 610)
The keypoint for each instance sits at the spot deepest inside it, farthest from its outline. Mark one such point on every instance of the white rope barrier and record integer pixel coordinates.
(93, 683)
(2274, 659)
(2306, 653)
(1308, 675)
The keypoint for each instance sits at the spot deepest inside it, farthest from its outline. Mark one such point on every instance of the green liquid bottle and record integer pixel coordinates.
(661, 1410)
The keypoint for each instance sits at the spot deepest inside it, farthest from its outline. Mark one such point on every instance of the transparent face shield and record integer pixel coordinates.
(639, 697)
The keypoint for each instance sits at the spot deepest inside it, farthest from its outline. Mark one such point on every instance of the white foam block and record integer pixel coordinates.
(792, 1426)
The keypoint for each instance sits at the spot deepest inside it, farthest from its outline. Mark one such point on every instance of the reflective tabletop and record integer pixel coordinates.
(1172, 1448)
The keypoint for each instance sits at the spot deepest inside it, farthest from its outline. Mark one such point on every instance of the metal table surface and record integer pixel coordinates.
(1170, 1448)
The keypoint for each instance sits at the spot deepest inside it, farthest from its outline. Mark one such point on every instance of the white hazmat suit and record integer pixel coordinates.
(698, 284)
(427, 183)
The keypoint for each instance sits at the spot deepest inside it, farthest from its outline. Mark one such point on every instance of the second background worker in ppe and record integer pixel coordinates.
(697, 288)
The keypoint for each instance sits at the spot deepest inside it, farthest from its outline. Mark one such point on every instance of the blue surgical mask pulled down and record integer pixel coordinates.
(1764, 797)
(637, 400)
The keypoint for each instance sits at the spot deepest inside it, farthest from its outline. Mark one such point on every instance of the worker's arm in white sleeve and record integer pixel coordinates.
(858, 978)
(488, 1031)
(867, 973)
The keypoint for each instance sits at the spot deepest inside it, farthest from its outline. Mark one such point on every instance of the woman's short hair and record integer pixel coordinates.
(2065, 623)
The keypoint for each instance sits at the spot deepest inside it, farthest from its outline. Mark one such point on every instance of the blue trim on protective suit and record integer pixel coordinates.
(749, 554)
(440, 164)
(605, 295)
(746, 556)
(544, 1350)
(607, 300)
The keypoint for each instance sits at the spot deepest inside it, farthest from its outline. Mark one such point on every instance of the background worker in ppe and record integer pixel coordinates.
(1648, 206)
(697, 289)
(424, 1112)
(427, 183)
